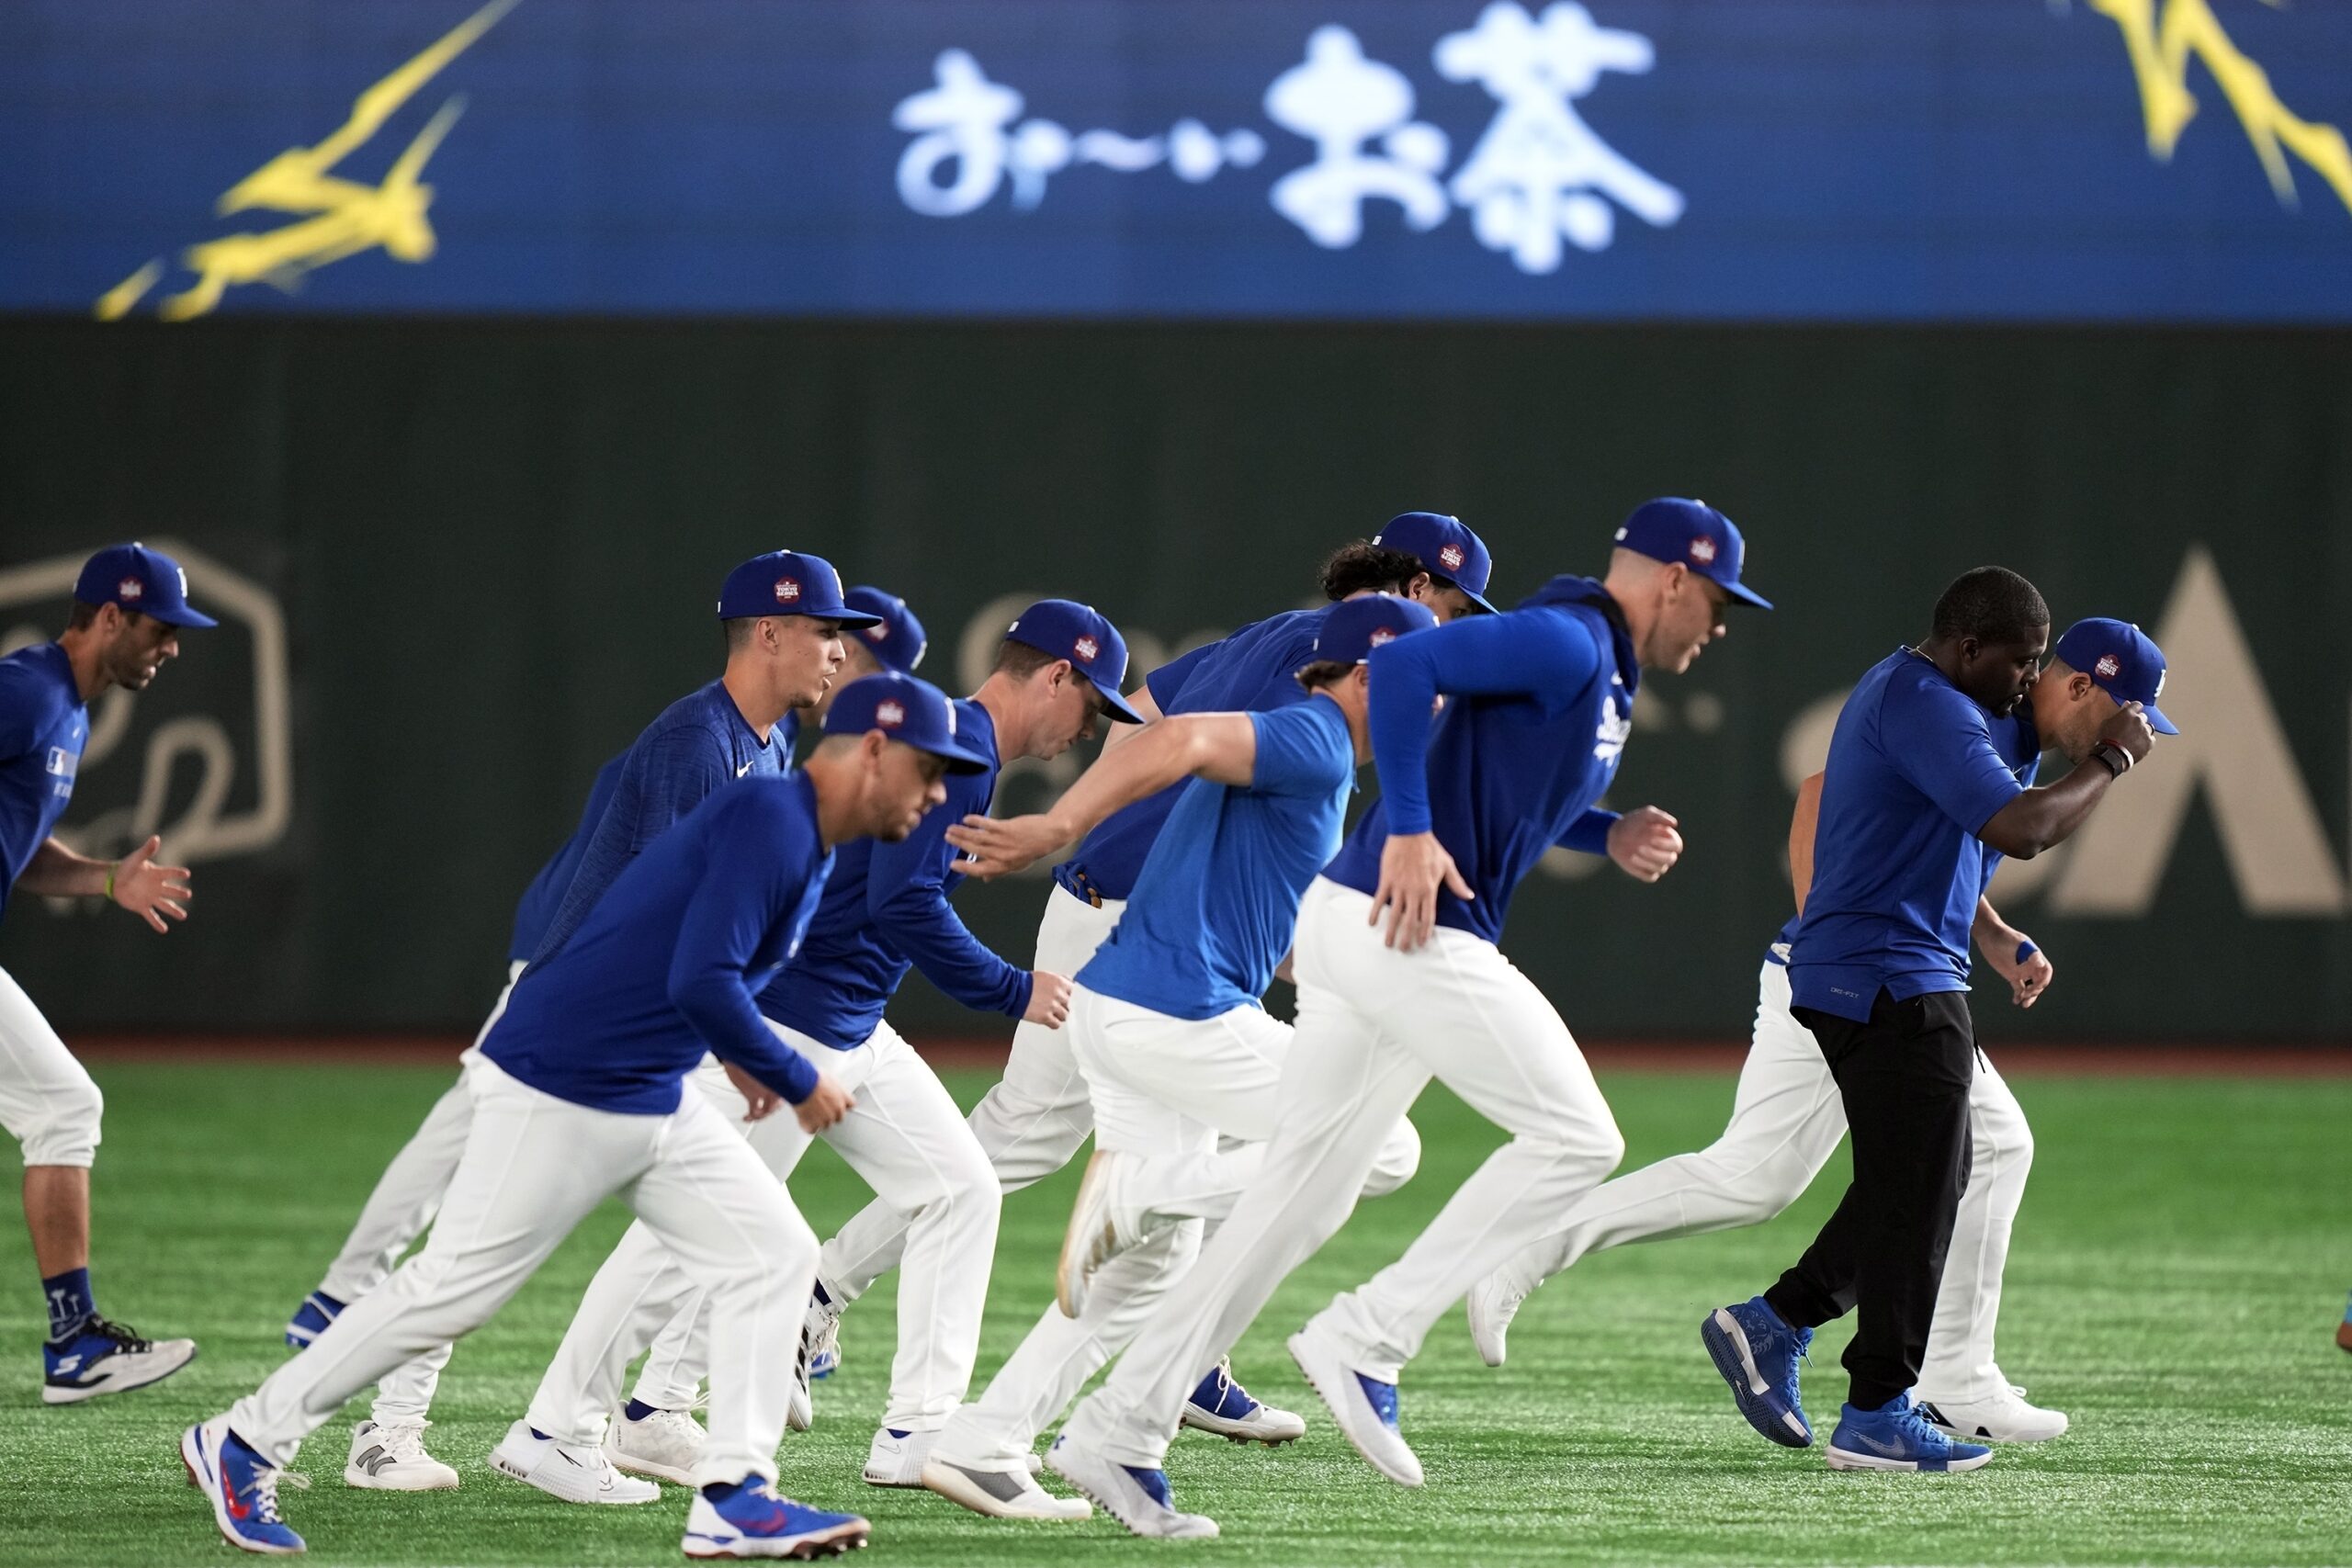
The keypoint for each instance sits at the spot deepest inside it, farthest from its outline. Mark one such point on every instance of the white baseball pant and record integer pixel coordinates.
(533, 1167)
(1375, 1024)
(1166, 1093)
(1786, 1121)
(47, 1101)
(906, 1139)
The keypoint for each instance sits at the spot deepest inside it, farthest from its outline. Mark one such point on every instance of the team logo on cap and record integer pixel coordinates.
(2109, 667)
(1450, 558)
(1382, 635)
(879, 632)
(1702, 550)
(889, 714)
(787, 590)
(1087, 650)
(129, 587)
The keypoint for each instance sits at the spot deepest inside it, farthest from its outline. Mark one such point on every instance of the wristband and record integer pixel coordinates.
(2114, 758)
(2025, 950)
(110, 870)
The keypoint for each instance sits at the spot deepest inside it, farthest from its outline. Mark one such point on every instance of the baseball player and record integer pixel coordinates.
(1786, 1118)
(1542, 705)
(1034, 1120)
(885, 910)
(130, 607)
(783, 614)
(1167, 1024)
(1930, 768)
(579, 1095)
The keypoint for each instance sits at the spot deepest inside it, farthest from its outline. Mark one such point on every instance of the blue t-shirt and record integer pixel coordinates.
(1251, 670)
(666, 966)
(536, 909)
(886, 908)
(1916, 768)
(699, 743)
(1217, 901)
(1541, 703)
(43, 727)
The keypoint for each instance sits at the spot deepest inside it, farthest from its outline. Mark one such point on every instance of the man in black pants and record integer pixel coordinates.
(1927, 785)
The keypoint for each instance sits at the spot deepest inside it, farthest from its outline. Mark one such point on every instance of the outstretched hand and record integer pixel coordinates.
(151, 891)
(999, 847)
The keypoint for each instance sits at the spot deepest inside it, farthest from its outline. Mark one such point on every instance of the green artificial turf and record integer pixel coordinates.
(2177, 1276)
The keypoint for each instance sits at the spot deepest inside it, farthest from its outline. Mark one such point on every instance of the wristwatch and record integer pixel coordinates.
(2117, 761)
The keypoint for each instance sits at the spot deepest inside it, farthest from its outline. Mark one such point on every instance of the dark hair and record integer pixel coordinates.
(81, 617)
(1992, 604)
(1352, 569)
(1020, 660)
(1324, 672)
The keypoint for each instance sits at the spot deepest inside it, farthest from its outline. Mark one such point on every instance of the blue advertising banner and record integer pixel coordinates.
(1844, 160)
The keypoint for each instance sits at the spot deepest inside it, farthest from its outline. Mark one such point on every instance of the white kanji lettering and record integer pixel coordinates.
(1339, 101)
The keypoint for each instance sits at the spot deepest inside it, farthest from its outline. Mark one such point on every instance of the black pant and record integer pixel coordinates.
(1904, 1077)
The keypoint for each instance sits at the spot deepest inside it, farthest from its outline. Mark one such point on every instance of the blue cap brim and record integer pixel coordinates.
(1116, 704)
(1746, 594)
(183, 616)
(1480, 600)
(960, 757)
(2158, 721)
(855, 620)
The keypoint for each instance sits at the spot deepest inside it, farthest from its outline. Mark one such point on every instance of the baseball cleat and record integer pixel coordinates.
(896, 1457)
(2001, 1417)
(108, 1357)
(566, 1470)
(820, 1335)
(1100, 1227)
(310, 1319)
(1896, 1436)
(1224, 1407)
(1493, 1301)
(1000, 1493)
(1139, 1499)
(665, 1445)
(390, 1457)
(753, 1520)
(1365, 1407)
(1757, 1355)
(241, 1486)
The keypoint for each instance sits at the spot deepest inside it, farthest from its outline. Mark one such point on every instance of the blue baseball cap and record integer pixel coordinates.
(787, 583)
(1444, 547)
(1353, 627)
(1671, 529)
(895, 637)
(1093, 645)
(140, 579)
(910, 711)
(2121, 660)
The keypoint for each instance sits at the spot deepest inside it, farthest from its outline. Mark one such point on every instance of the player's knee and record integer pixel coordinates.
(788, 1256)
(66, 1131)
(967, 1181)
(1400, 1156)
(2003, 1143)
(1774, 1186)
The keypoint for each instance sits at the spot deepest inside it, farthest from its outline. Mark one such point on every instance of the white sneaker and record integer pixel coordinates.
(1493, 1301)
(1364, 1406)
(391, 1458)
(897, 1457)
(821, 1328)
(2002, 1417)
(1100, 1227)
(573, 1474)
(1138, 1499)
(665, 1445)
(1000, 1493)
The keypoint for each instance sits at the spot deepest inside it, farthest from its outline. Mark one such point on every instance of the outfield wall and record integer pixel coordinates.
(463, 563)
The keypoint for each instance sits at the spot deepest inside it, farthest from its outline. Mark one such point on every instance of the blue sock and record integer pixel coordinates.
(70, 1306)
(825, 1299)
(637, 1410)
(541, 1436)
(723, 1491)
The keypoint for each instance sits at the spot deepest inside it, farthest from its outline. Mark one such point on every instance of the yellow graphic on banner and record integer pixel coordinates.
(2161, 47)
(345, 216)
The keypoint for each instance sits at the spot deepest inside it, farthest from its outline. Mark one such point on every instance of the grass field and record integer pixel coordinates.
(2177, 1271)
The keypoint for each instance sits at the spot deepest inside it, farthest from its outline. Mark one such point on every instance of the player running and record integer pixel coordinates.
(782, 614)
(1787, 1120)
(130, 607)
(579, 1096)
(1166, 1021)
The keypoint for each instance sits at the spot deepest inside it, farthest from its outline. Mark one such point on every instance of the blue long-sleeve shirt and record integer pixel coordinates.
(1541, 703)
(43, 727)
(667, 964)
(885, 910)
(534, 912)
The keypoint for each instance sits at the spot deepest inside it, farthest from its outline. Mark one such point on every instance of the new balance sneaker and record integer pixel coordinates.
(664, 1445)
(310, 1319)
(753, 1520)
(1223, 1407)
(998, 1493)
(566, 1470)
(1102, 1225)
(241, 1486)
(2000, 1418)
(1139, 1499)
(1365, 1407)
(390, 1457)
(108, 1357)
(1493, 1301)
(1757, 1355)
(1896, 1436)
(819, 1331)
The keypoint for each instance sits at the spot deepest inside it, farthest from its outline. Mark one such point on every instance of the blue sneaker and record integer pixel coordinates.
(1221, 1405)
(753, 1520)
(1896, 1436)
(310, 1319)
(1757, 1355)
(107, 1358)
(242, 1488)
(1364, 1406)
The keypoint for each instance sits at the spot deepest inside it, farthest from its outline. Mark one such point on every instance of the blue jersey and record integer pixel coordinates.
(43, 727)
(1215, 908)
(537, 911)
(699, 743)
(1916, 768)
(1542, 700)
(886, 908)
(1252, 671)
(667, 964)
